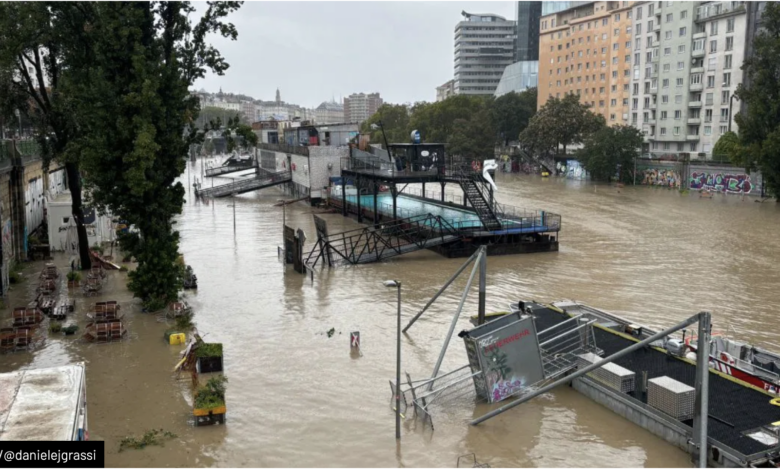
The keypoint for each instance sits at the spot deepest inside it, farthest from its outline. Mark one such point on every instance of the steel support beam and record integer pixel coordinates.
(443, 288)
(455, 317)
(701, 407)
(585, 370)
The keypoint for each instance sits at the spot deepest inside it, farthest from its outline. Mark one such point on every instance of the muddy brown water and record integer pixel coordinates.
(298, 398)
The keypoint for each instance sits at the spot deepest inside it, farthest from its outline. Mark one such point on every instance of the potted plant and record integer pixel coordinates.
(209, 404)
(70, 330)
(209, 357)
(55, 327)
(73, 278)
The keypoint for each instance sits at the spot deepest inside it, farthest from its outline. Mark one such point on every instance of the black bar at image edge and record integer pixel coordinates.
(52, 454)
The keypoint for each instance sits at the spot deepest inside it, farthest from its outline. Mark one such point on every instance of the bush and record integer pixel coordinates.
(212, 395)
(97, 248)
(14, 277)
(153, 437)
(209, 350)
(74, 276)
(55, 327)
(70, 329)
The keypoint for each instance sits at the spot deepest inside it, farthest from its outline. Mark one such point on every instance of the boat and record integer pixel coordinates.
(747, 363)
(44, 404)
(105, 331)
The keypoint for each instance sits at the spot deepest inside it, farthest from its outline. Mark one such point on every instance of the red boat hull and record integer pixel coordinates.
(740, 374)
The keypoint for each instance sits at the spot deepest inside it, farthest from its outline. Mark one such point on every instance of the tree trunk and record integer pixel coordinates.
(74, 183)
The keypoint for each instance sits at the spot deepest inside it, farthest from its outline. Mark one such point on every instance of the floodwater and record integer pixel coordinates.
(299, 398)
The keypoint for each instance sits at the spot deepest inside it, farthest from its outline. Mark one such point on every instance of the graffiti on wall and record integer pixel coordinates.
(721, 182)
(574, 170)
(660, 177)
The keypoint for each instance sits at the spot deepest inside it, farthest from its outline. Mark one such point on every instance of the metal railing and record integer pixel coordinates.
(397, 167)
(245, 185)
(26, 147)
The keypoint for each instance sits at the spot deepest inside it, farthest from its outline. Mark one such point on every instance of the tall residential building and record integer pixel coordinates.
(329, 112)
(484, 46)
(586, 50)
(358, 107)
(445, 91)
(524, 73)
(687, 59)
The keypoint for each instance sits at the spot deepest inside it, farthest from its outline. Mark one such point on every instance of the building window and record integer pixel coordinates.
(665, 83)
(730, 43)
(677, 99)
(663, 131)
(730, 25)
(724, 97)
(678, 114)
(723, 129)
(667, 67)
(669, 17)
(711, 81)
(680, 82)
(707, 115)
(677, 130)
(667, 51)
(714, 46)
(681, 49)
(639, 29)
(601, 103)
(714, 28)
(724, 114)
(693, 146)
(708, 99)
(695, 79)
(628, 45)
(707, 130)
(636, 89)
(727, 79)
(666, 145)
(680, 146)
(605, 22)
(611, 117)
(668, 34)
(613, 102)
(684, 14)
(727, 62)
(665, 99)
(604, 36)
(617, 17)
(663, 115)
(683, 31)
(681, 65)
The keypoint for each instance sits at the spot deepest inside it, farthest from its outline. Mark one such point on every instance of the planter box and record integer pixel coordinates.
(205, 365)
(210, 416)
(73, 283)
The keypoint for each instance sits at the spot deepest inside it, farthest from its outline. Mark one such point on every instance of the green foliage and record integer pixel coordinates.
(131, 90)
(210, 114)
(560, 123)
(727, 144)
(511, 112)
(239, 135)
(473, 138)
(208, 147)
(209, 350)
(608, 148)
(73, 276)
(37, 44)
(154, 437)
(14, 277)
(55, 327)
(759, 127)
(70, 329)
(123, 269)
(97, 248)
(394, 118)
(212, 395)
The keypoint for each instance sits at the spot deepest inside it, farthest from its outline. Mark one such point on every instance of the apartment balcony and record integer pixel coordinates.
(650, 121)
(697, 53)
(694, 104)
(646, 138)
(655, 58)
(695, 87)
(693, 121)
(652, 105)
(692, 137)
(697, 70)
(656, 27)
(716, 9)
(701, 35)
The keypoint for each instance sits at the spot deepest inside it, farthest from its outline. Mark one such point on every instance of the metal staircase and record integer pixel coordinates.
(262, 180)
(468, 182)
(369, 244)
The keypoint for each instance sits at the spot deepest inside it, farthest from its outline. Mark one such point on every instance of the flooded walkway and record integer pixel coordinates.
(297, 398)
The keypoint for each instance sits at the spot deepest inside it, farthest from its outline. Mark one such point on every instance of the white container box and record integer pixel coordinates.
(672, 397)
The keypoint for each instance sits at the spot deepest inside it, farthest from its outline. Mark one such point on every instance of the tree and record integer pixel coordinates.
(560, 123)
(609, 150)
(395, 120)
(727, 144)
(238, 134)
(436, 121)
(511, 112)
(473, 139)
(759, 127)
(210, 114)
(132, 96)
(35, 38)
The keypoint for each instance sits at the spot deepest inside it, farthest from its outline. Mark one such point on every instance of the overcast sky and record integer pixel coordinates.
(313, 51)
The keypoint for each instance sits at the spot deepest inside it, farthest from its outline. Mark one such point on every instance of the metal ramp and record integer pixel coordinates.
(369, 244)
(264, 180)
(224, 170)
(468, 182)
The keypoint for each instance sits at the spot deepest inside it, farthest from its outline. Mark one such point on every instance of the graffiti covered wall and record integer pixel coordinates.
(731, 183)
(665, 177)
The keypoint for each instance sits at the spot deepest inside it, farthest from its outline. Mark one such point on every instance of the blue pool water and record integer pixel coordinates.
(409, 207)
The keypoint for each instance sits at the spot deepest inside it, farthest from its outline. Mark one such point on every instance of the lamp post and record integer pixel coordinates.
(397, 284)
(19, 116)
(384, 137)
(234, 213)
